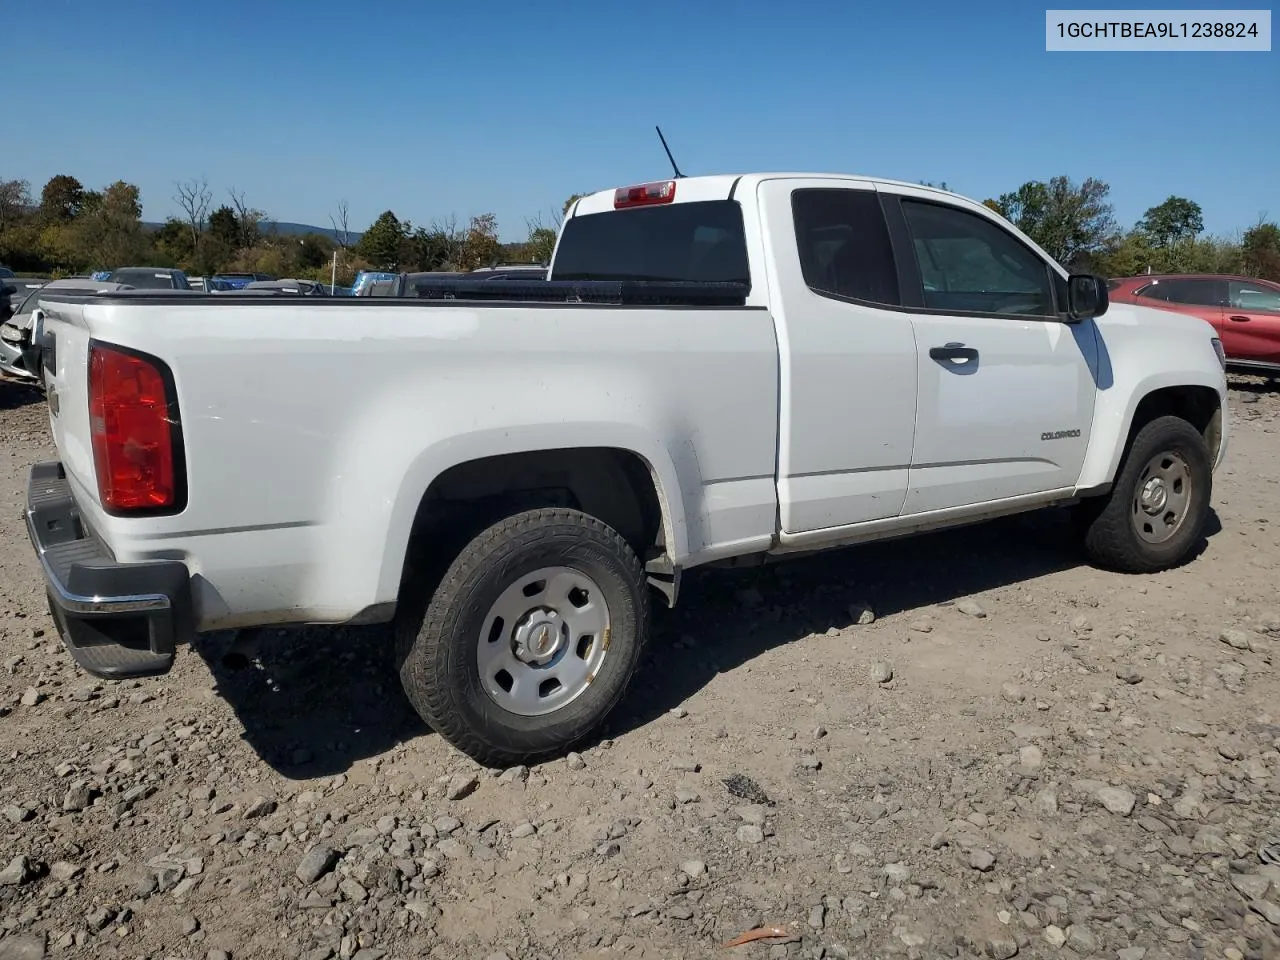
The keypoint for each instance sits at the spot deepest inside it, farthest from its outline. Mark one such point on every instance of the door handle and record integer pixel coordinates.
(956, 353)
(1239, 319)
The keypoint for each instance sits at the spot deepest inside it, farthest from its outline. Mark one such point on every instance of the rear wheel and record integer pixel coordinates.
(530, 638)
(1155, 513)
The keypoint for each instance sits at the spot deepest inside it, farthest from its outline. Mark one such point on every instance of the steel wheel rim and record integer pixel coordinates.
(1161, 497)
(543, 641)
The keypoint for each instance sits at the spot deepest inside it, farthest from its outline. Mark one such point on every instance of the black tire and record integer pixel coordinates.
(437, 649)
(1111, 537)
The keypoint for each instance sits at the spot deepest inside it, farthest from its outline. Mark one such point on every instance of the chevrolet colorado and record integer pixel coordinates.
(718, 369)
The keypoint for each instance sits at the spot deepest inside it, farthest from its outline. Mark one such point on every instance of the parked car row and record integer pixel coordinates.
(425, 283)
(166, 278)
(19, 304)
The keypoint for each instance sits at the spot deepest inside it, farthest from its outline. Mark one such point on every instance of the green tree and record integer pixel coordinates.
(1174, 221)
(1066, 220)
(56, 247)
(1260, 250)
(314, 250)
(110, 234)
(91, 201)
(173, 241)
(541, 244)
(381, 243)
(123, 200)
(224, 228)
(1124, 255)
(1201, 255)
(574, 198)
(436, 248)
(62, 198)
(480, 246)
(1134, 252)
(218, 246)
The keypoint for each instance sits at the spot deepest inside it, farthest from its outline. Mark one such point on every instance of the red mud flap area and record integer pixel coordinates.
(118, 620)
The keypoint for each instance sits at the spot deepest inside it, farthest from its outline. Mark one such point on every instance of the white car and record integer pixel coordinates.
(720, 369)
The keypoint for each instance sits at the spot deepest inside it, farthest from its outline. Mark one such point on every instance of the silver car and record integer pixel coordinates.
(15, 334)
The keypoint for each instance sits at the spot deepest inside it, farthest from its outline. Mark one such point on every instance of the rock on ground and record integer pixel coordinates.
(1117, 800)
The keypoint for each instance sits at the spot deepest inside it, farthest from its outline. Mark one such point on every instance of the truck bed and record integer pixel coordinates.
(312, 427)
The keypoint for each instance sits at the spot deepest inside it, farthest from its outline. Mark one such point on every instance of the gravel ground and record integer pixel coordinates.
(961, 745)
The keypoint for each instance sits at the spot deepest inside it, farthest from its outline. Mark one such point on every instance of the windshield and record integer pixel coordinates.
(693, 242)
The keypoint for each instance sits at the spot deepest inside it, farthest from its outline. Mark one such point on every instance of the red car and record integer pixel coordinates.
(1244, 311)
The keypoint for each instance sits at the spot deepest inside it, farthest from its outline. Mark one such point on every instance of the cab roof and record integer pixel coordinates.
(723, 186)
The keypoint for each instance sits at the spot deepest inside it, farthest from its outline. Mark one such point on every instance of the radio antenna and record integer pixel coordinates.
(679, 175)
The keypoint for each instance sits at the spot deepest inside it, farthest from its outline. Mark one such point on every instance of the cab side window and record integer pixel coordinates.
(1186, 291)
(970, 265)
(1254, 297)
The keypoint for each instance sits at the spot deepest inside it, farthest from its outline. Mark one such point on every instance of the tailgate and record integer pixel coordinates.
(64, 361)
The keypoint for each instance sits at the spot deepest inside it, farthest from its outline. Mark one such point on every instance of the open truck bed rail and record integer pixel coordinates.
(649, 293)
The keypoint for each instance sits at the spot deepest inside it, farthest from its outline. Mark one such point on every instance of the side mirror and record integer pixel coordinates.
(1086, 296)
(7, 291)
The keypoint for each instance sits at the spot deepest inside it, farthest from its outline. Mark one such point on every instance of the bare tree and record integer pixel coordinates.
(341, 231)
(452, 239)
(541, 243)
(193, 197)
(247, 218)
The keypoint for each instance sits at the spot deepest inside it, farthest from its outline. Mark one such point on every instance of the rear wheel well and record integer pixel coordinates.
(1199, 406)
(612, 485)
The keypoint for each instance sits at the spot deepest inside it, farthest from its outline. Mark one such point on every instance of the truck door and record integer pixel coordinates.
(1005, 387)
(847, 356)
(1251, 331)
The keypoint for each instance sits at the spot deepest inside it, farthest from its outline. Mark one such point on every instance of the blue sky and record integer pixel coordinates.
(429, 110)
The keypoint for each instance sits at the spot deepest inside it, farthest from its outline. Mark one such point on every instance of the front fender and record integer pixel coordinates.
(1113, 419)
(1142, 350)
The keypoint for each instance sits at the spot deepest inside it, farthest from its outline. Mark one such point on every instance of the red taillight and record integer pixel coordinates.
(644, 194)
(133, 430)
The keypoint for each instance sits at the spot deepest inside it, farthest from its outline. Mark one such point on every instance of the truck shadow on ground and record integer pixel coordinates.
(14, 395)
(738, 615)
(315, 701)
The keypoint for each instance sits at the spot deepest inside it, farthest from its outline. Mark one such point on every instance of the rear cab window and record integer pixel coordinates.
(702, 241)
(843, 243)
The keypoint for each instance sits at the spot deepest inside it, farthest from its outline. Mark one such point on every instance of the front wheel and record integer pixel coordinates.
(1155, 514)
(530, 639)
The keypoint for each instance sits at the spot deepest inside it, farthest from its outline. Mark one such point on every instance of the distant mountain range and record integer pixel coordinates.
(284, 229)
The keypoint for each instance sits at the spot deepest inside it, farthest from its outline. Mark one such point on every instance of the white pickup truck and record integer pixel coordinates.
(719, 369)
